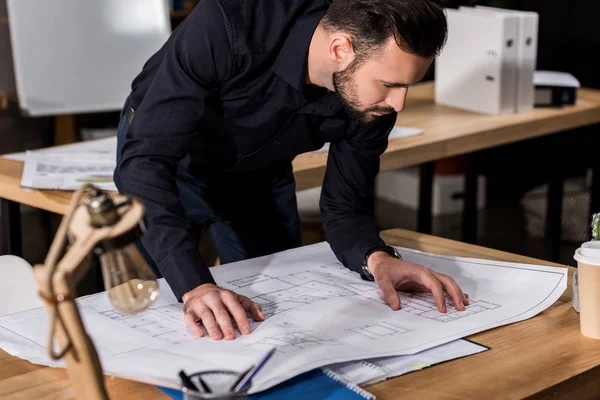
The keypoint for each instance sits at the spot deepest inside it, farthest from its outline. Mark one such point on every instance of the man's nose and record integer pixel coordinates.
(396, 99)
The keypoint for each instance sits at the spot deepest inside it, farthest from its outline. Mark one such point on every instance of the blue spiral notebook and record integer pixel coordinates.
(315, 384)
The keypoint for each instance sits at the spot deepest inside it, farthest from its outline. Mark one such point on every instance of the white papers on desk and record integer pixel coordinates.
(69, 167)
(103, 147)
(397, 132)
(67, 173)
(317, 312)
(555, 78)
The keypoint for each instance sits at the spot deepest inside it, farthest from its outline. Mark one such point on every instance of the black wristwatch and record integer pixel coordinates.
(388, 249)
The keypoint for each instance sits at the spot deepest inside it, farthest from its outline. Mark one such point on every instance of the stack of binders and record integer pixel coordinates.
(488, 63)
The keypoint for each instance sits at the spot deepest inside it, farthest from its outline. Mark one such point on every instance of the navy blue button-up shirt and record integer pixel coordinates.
(227, 91)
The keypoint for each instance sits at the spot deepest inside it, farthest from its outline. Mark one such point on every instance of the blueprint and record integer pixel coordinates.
(318, 313)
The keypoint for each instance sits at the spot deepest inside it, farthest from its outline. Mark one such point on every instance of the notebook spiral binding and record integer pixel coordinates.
(355, 388)
(371, 365)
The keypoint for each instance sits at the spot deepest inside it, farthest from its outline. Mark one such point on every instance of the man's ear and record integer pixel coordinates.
(341, 51)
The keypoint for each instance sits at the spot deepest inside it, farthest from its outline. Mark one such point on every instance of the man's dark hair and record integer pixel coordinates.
(418, 26)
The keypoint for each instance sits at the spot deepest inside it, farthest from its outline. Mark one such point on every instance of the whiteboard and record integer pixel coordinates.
(78, 56)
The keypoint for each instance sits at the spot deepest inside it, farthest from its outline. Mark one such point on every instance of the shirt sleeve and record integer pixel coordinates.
(347, 196)
(170, 118)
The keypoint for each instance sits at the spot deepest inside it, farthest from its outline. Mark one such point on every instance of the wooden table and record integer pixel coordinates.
(544, 356)
(447, 132)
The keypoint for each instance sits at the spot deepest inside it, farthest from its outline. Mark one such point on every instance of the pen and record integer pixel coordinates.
(187, 382)
(238, 380)
(253, 371)
(204, 386)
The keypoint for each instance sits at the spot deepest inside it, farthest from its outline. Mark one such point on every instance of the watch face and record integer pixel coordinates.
(395, 252)
(367, 273)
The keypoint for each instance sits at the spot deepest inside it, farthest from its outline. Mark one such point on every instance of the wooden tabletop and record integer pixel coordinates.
(447, 132)
(544, 356)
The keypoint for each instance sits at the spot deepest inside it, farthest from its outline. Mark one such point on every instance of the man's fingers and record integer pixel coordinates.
(190, 319)
(254, 309)
(389, 293)
(433, 284)
(453, 290)
(209, 322)
(237, 311)
(223, 319)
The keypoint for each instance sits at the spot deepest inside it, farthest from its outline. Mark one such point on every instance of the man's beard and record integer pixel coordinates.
(345, 87)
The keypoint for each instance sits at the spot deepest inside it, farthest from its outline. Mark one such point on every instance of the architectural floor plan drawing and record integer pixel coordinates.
(380, 329)
(424, 306)
(162, 323)
(295, 340)
(318, 313)
(286, 292)
(296, 290)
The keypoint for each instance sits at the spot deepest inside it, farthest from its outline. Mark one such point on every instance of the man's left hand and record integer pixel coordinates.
(392, 274)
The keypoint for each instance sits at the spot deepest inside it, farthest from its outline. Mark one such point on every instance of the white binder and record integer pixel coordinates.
(476, 70)
(527, 46)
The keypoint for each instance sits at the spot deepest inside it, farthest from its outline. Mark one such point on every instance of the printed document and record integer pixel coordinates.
(69, 167)
(70, 172)
(103, 147)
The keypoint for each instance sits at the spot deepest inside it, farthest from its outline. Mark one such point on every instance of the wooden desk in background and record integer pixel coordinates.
(447, 132)
(541, 357)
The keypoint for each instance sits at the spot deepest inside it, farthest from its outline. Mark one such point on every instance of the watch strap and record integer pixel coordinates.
(388, 249)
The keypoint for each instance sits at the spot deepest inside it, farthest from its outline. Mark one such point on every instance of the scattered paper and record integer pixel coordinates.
(318, 313)
(68, 171)
(555, 78)
(396, 133)
(68, 167)
(104, 147)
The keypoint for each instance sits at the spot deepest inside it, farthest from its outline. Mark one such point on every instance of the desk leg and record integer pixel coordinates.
(553, 218)
(469, 222)
(426, 172)
(11, 228)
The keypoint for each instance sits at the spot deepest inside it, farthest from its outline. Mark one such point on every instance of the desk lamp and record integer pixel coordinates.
(108, 228)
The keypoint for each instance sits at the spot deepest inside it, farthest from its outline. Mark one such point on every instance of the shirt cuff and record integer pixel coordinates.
(354, 257)
(185, 271)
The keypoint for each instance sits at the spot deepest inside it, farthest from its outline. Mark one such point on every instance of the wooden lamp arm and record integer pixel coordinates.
(57, 279)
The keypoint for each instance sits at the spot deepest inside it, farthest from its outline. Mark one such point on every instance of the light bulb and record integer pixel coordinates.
(130, 283)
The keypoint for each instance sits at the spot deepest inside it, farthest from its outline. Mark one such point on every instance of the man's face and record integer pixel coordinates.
(378, 85)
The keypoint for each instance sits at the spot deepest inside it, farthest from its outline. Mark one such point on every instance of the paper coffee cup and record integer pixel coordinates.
(588, 279)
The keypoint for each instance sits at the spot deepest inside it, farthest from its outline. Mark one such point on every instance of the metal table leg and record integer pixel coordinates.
(469, 222)
(426, 172)
(553, 218)
(11, 228)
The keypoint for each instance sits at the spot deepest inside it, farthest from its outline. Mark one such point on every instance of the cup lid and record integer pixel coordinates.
(589, 253)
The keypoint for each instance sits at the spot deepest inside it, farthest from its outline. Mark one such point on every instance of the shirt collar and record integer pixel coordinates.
(291, 62)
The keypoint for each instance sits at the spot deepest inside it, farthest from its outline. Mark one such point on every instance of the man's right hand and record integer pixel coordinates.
(214, 308)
